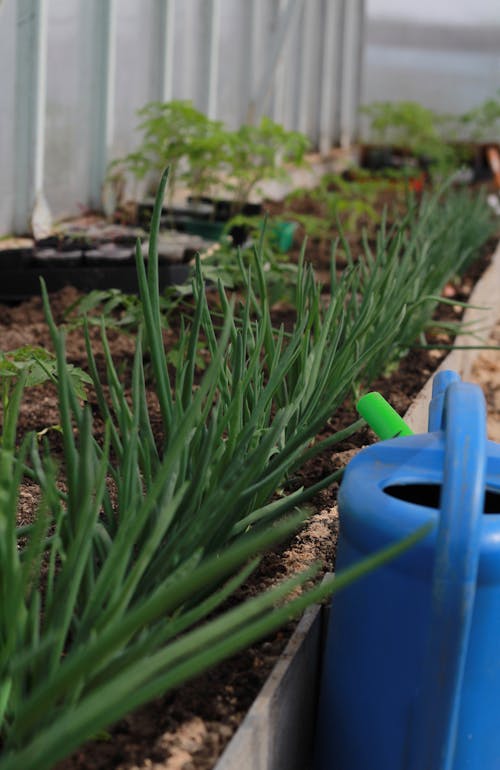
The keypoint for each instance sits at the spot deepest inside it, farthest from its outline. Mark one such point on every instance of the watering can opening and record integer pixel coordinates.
(429, 495)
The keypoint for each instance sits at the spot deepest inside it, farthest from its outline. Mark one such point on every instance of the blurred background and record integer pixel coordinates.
(444, 54)
(73, 74)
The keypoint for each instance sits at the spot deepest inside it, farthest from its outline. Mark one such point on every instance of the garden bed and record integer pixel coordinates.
(185, 728)
(190, 729)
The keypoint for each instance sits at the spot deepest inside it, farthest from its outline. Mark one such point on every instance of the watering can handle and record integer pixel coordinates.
(454, 580)
(436, 407)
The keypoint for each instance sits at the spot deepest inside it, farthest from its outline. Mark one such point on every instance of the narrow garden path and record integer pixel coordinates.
(486, 373)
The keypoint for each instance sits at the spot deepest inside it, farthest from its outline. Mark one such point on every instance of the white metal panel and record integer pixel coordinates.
(279, 80)
(353, 10)
(235, 59)
(288, 14)
(137, 56)
(7, 110)
(309, 45)
(329, 75)
(103, 38)
(210, 44)
(76, 128)
(165, 23)
(31, 41)
(189, 49)
(234, 79)
(446, 67)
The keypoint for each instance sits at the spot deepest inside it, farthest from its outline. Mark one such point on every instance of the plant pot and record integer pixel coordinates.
(281, 236)
(475, 157)
(224, 208)
(15, 258)
(172, 218)
(379, 157)
(109, 253)
(64, 243)
(57, 271)
(175, 247)
(55, 258)
(209, 230)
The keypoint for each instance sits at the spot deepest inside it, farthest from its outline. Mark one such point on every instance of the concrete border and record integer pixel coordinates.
(277, 732)
(485, 298)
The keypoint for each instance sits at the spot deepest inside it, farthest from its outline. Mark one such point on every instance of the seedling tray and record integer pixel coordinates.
(21, 282)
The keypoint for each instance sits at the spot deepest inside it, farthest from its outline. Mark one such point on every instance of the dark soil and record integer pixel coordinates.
(188, 729)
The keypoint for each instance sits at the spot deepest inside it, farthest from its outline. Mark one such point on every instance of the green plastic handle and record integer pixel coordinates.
(381, 417)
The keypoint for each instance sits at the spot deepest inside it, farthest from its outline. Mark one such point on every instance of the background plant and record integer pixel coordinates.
(483, 122)
(29, 366)
(173, 133)
(410, 125)
(261, 152)
(208, 157)
(338, 203)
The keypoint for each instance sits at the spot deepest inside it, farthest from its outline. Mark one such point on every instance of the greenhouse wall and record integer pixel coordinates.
(73, 74)
(445, 55)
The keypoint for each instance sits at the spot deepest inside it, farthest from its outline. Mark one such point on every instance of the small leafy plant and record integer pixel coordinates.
(260, 152)
(483, 122)
(411, 126)
(337, 204)
(206, 156)
(177, 135)
(27, 367)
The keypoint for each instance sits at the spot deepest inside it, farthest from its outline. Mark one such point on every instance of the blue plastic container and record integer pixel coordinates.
(411, 676)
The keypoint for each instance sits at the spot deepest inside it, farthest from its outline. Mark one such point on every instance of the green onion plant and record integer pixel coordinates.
(107, 598)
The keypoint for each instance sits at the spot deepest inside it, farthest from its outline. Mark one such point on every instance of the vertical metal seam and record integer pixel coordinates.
(166, 50)
(30, 106)
(213, 14)
(349, 51)
(104, 23)
(263, 92)
(255, 57)
(329, 92)
(306, 69)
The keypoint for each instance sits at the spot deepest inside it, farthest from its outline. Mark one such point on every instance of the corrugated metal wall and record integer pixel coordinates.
(74, 72)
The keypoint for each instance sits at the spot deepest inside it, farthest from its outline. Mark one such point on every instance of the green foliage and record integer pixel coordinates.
(339, 203)
(259, 152)
(411, 126)
(111, 307)
(147, 540)
(29, 366)
(173, 132)
(483, 122)
(231, 267)
(205, 155)
(428, 134)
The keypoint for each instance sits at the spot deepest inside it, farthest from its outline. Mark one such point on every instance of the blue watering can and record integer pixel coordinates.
(411, 676)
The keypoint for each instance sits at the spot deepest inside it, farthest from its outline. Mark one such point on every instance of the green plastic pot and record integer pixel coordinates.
(281, 236)
(209, 230)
